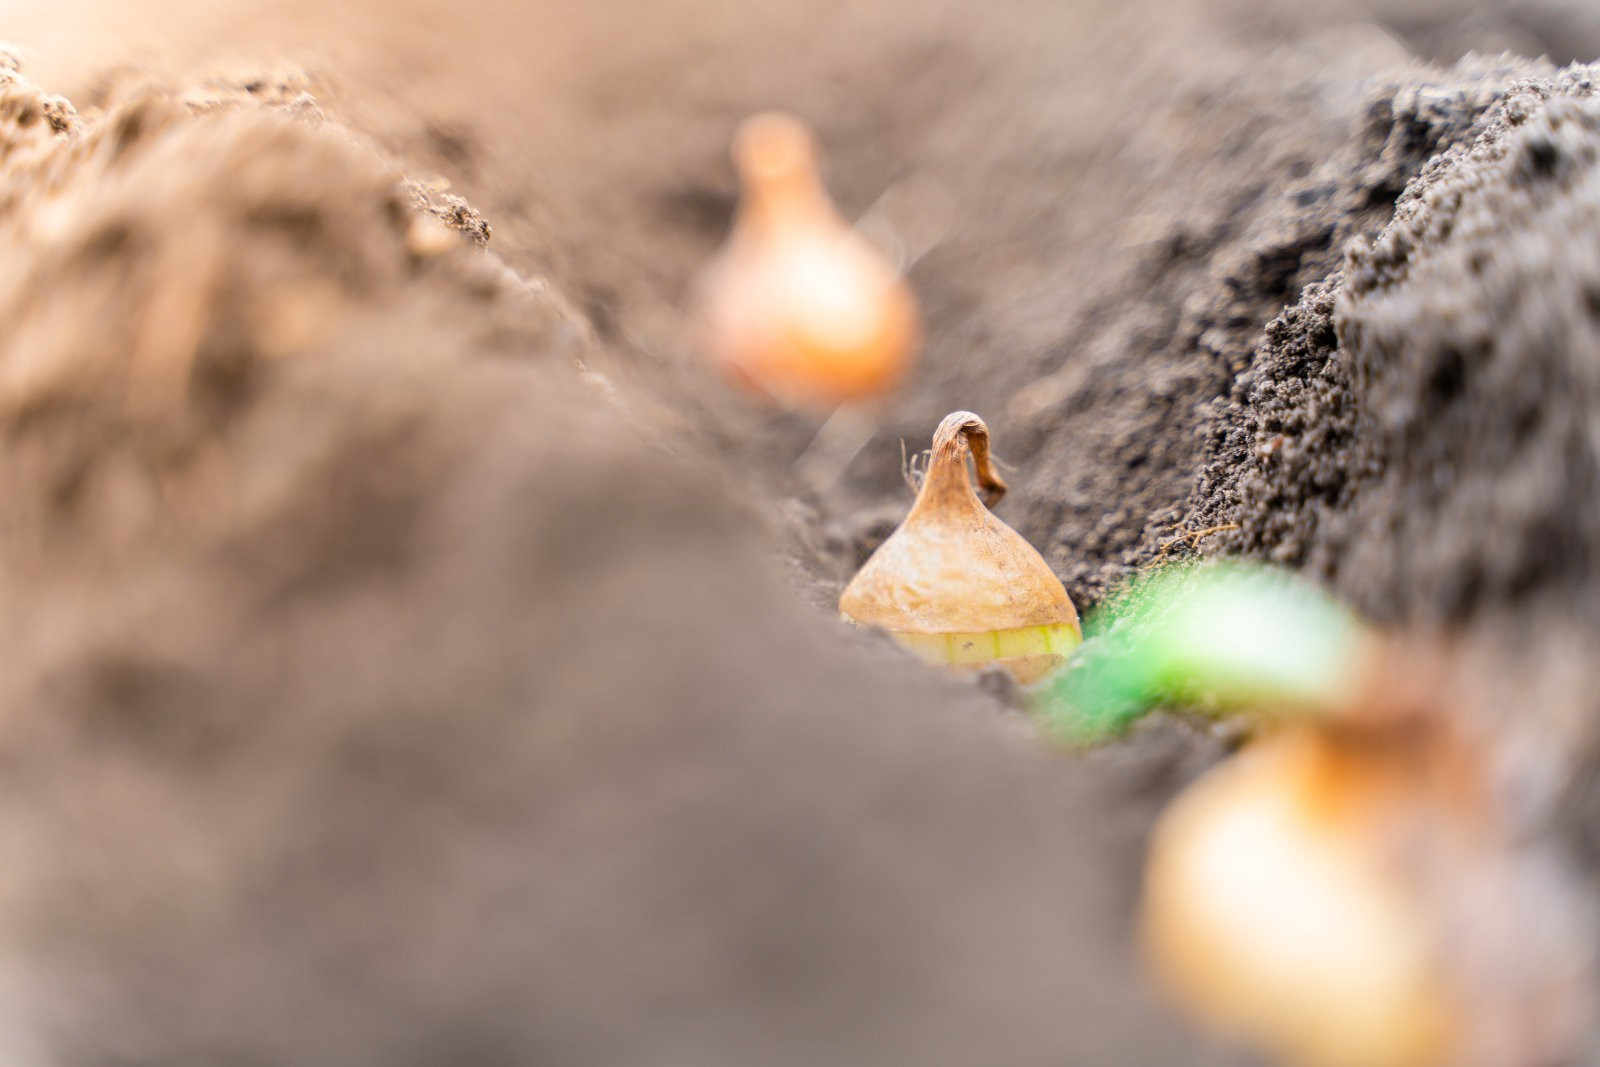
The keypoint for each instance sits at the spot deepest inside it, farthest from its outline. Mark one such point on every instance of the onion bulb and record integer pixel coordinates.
(1273, 908)
(797, 305)
(956, 585)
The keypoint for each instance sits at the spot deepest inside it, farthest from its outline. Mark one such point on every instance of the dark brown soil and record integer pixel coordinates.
(414, 657)
(1347, 445)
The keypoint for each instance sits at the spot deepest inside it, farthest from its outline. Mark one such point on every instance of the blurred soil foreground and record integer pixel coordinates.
(413, 657)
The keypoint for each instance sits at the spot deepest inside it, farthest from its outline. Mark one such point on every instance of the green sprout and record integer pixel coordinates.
(1218, 636)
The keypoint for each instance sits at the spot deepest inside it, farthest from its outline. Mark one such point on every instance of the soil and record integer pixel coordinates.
(415, 657)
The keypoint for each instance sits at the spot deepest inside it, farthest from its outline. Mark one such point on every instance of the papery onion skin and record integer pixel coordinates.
(797, 305)
(1272, 911)
(953, 569)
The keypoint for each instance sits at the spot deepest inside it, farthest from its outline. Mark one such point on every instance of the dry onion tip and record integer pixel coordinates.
(956, 585)
(797, 305)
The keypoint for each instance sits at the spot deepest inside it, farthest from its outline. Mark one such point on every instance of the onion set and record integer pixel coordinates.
(1277, 909)
(956, 585)
(797, 305)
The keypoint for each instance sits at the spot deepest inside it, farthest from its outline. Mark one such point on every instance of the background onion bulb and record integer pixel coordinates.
(955, 584)
(797, 305)
(1272, 909)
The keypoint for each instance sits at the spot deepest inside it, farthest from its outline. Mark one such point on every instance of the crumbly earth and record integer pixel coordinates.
(414, 657)
(1438, 347)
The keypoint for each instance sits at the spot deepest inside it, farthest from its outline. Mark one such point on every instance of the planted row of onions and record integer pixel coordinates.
(1305, 895)
(802, 309)
(1329, 894)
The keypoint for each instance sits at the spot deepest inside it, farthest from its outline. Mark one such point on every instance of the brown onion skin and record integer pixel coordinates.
(797, 306)
(954, 567)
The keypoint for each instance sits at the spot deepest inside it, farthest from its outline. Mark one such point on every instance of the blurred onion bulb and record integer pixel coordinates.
(956, 585)
(1274, 911)
(797, 305)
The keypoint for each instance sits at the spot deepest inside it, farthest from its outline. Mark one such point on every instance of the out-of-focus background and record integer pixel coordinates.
(415, 655)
